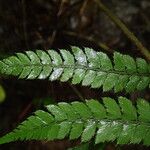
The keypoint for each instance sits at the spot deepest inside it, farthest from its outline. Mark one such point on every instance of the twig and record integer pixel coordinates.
(63, 5)
(124, 28)
(85, 3)
(77, 92)
(25, 111)
(90, 39)
(24, 23)
(51, 39)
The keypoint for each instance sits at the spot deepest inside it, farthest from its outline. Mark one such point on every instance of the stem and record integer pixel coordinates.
(124, 28)
(77, 92)
(90, 39)
(77, 66)
(24, 23)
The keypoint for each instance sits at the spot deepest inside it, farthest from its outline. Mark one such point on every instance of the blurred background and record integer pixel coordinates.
(59, 24)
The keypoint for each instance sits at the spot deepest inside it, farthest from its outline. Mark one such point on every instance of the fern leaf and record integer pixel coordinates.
(107, 121)
(88, 67)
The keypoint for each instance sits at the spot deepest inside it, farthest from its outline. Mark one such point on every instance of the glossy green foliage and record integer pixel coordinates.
(88, 67)
(108, 121)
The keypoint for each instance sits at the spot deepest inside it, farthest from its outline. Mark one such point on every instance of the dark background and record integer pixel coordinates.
(56, 24)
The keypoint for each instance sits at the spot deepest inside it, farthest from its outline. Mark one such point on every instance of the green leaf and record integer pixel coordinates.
(45, 60)
(112, 108)
(79, 55)
(68, 60)
(99, 80)
(57, 61)
(119, 62)
(2, 67)
(26, 71)
(53, 132)
(78, 76)
(143, 110)
(141, 65)
(88, 67)
(105, 61)
(25, 61)
(126, 134)
(64, 130)
(121, 83)
(57, 112)
(89, 131)
(108, 131)
(132, 84)
(130, 64)
(96, 108)
(67, 108)
(110, 81)
(128, 110)
(81, 59)
(76, 130)
(104, 122)
(102, 132)
(114, 131)
(14, 62)
(89, 78)
(93, 58)
(23, 58)
(139, 134)
(81, 109)
(146, 140)
(46, 117)
(36, 70)
(143, 83)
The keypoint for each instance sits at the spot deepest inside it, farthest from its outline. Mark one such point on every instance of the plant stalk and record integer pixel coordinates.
(124, 28)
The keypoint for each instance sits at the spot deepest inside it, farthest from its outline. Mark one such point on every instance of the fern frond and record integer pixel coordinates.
(108, 121)
(88, 67)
